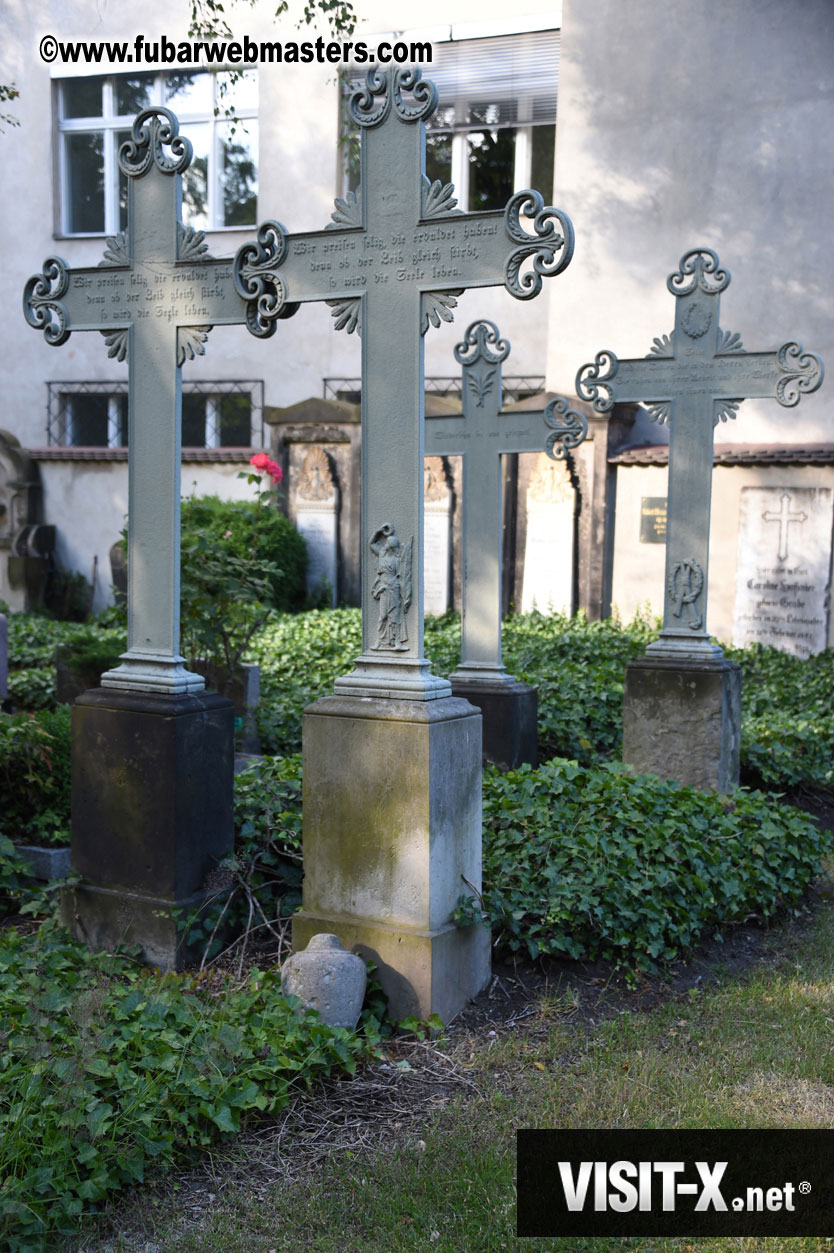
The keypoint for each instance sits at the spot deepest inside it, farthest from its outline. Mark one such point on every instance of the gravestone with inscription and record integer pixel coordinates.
(152, 751)
(783, 580)
(481, 435)
(317, 519)
(437, 536)
(682, 712)
(392, 761)
(551, 503)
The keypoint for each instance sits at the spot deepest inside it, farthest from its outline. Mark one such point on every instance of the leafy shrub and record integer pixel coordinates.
(244, 530)
(35, 765)
(33, 688)
(584, 862)
(107, 1069)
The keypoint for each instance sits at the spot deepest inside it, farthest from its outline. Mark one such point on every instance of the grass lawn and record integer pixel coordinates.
(419, 1154)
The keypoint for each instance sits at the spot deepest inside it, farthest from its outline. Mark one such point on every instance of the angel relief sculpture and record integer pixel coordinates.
(392, 587)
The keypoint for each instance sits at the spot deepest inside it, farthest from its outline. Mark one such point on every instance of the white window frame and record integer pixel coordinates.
(110, 123)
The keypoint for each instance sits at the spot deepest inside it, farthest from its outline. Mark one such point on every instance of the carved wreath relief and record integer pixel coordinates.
(392, 587)
(686, 582)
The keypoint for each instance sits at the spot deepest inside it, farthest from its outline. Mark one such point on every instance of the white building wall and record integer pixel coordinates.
(698, 123)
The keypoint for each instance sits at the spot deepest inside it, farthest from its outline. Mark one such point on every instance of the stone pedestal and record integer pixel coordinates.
(152, 815)
(682, 720)
(510, 720)
(392, 829)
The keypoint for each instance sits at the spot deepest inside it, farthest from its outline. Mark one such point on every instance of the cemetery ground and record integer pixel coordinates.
(598, 888)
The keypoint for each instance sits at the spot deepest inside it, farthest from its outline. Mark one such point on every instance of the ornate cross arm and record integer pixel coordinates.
(569, 428)
(785, 375)
(42, 296)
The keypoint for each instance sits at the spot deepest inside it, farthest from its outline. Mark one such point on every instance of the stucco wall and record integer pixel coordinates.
(698, 123)
(87, 500)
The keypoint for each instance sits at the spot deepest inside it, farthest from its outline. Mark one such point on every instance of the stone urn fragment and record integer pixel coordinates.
(326, 977)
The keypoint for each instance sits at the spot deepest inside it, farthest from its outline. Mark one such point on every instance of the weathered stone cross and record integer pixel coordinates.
(692, 381)
(391, 263)
(481, 434)
(154, 297)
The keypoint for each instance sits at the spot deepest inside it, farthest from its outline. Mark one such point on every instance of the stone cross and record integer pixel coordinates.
(692, 380)
(784, 517)
(481, 435)
(154, 297)
(391, 263)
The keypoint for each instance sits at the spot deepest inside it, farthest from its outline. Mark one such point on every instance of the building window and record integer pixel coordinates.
(220, 187)
(214, 414)
(494, 131)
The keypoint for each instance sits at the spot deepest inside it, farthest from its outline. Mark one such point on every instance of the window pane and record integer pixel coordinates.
(491, 156)
(193, 420)
(85, 181)
(541, 161)
(123, 423)
(195, 180)
(235, 420)
(134, 92)
(439, 158)
(238, 91)
(189, 93)
(239, 175)
(89, 421)
(121, 136)
(81, 97)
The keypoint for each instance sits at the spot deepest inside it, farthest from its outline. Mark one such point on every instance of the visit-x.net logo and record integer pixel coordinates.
(686, 1183)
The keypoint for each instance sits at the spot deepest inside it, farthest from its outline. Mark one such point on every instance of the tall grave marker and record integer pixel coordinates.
(481, 435)
(152, 752)
(682, 710)
(392, 761)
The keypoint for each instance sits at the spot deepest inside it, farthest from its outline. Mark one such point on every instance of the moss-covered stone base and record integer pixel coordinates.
(682, 720)
(510, 713)
(152, 814)
(392, 840)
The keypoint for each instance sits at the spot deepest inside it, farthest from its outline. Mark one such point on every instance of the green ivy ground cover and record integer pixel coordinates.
(588, 862)
(108, 1070)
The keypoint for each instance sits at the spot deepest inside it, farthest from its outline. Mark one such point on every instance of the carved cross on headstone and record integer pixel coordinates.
(692, 380)
(391, 263)
(784, 517)
(481, 435)
(154, 297)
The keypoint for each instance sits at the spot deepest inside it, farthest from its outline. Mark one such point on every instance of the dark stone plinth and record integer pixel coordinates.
(152, 815)
(682, 720)
(510, 721)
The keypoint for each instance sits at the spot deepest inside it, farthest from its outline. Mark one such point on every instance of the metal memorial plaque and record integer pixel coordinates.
(481, 434)
(154, 297)
(653, 520)
(783, 579)
(693, 379)
(391, 263)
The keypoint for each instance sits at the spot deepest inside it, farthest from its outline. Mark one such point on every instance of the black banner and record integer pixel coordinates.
(675, 1183)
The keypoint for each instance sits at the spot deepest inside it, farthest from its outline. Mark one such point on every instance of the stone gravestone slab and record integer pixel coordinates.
(682, 713)
(482, 435)
(392, 760)
(317, 519)
(437, 536)
(548, 577)
(783, 579)
(152, 752)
